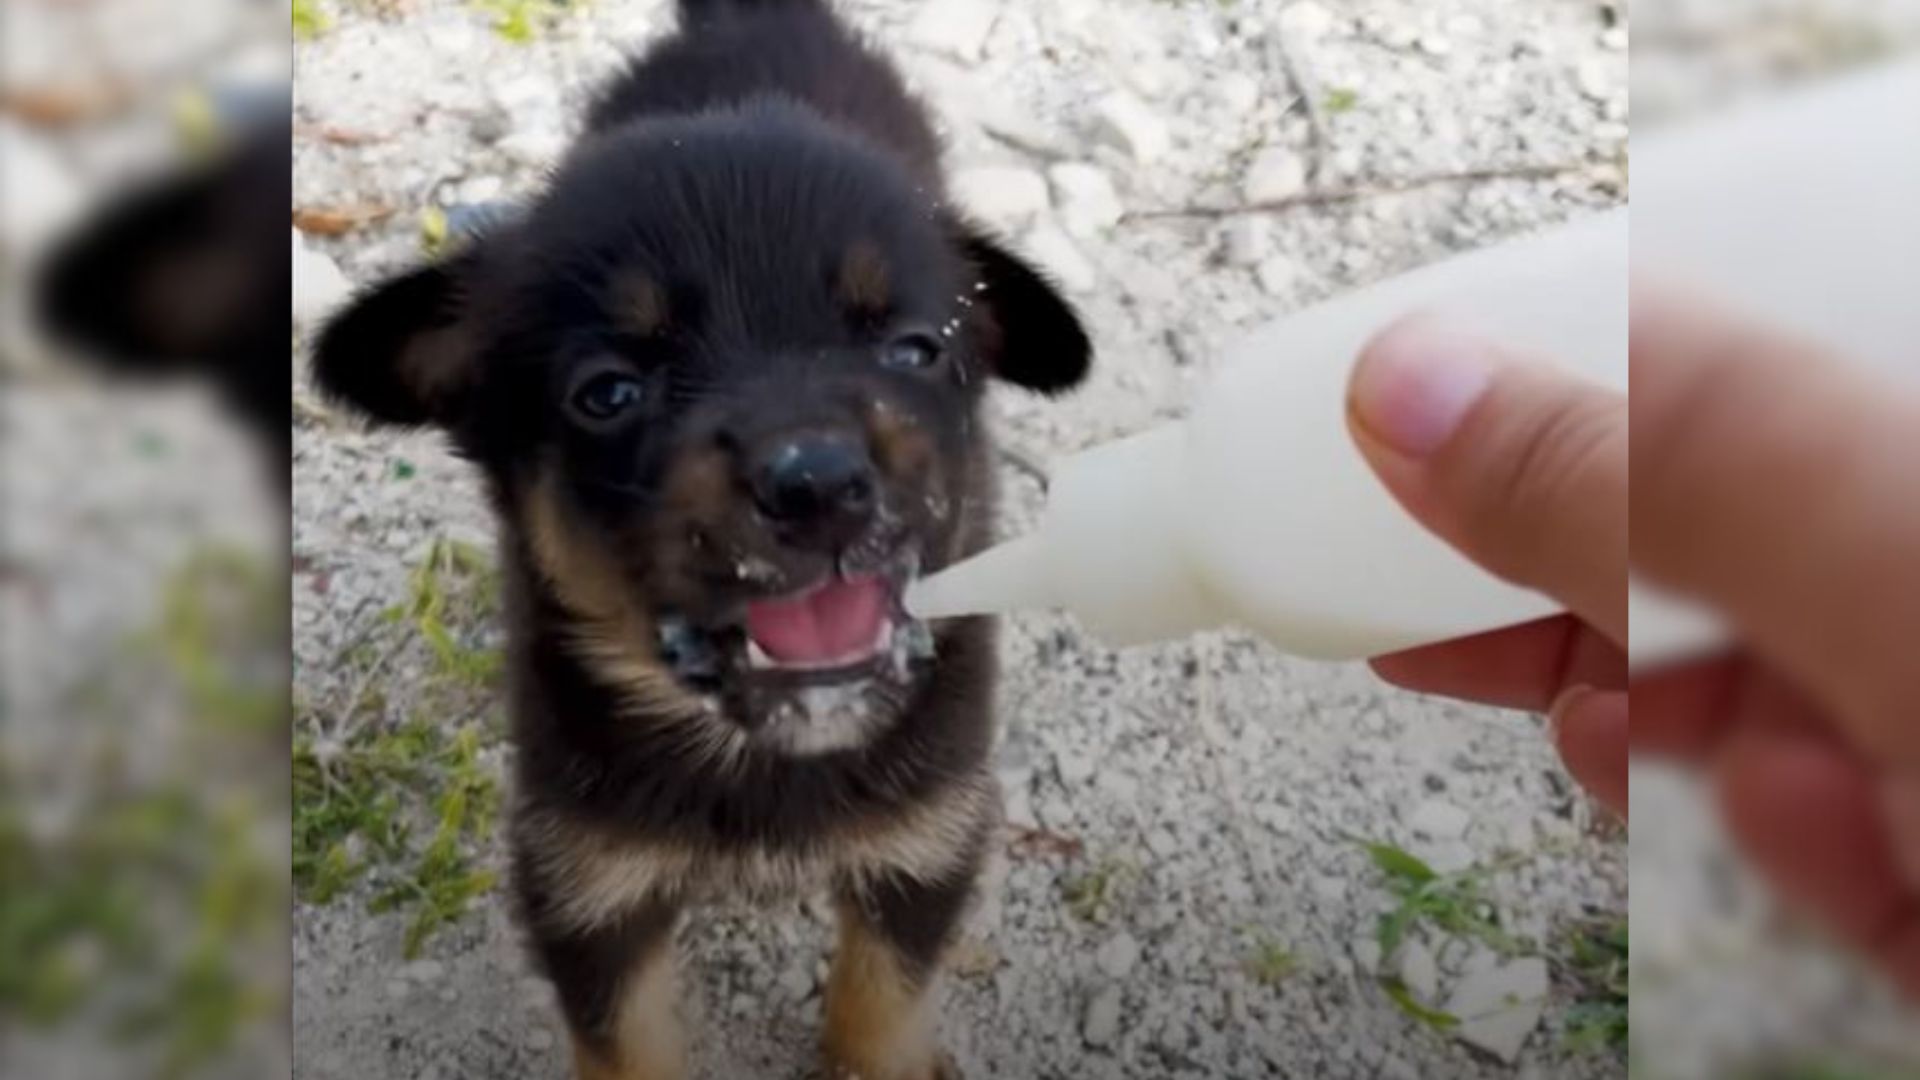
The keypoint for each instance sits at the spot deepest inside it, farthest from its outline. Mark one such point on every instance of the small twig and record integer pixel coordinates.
(1320, 141)
(338, 136)
(348, 726)
(366, 628)
(1025, 463)
(311, 411)
(65, 105)
(1325, 196)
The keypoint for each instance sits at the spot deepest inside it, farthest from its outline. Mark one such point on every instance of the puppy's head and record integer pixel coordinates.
(725, 377)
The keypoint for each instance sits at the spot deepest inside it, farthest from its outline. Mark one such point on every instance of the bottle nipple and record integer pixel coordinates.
(999, 579)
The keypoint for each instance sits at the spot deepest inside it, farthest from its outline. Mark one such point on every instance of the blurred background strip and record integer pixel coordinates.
(144, 749)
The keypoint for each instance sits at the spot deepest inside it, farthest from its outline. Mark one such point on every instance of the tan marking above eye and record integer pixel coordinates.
(639, 305)
(864, 282)
(903, 447)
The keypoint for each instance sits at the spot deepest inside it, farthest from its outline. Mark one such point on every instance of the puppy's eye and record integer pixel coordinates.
(609, 395)
(911, 352)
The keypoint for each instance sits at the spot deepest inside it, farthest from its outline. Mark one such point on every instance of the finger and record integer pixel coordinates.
(1685, 711)
(1805, 812)
(1900, 798)
(1590, 731)
(1783, 489)
(1520, 667)
(1901, 960)
(1520, 467)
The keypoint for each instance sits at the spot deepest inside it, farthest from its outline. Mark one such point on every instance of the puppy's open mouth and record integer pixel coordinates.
(836, 625)
(844, 628)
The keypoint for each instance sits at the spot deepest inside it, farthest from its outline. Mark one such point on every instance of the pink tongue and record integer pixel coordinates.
(839, 620)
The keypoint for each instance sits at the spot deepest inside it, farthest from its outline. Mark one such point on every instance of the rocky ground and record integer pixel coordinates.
(1185, 892)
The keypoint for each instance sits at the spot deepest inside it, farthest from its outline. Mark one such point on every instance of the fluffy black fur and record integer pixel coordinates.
(186, 275)
(749, 230)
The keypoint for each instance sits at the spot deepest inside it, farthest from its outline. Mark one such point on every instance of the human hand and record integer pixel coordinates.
(1782, 489)
(1524, 470)
(1774, 485)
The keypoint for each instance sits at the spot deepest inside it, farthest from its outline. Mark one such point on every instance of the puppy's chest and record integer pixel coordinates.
(593, 876)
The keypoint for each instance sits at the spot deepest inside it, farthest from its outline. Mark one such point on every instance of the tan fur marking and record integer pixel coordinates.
(699, 484)
(196, 296)
(647, 1040)
(904, 448)
(598, 877)
(865, 284)
(437, 363)
(879, 1023)
(611, 634)
(640, 305)
(585, 580)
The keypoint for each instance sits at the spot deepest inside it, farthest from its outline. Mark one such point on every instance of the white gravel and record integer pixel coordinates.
(1218, 785)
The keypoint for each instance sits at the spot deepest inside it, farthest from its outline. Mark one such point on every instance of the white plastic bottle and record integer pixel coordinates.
(1257, 510)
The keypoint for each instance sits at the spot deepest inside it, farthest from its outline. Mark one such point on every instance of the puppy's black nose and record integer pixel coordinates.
(820, 486)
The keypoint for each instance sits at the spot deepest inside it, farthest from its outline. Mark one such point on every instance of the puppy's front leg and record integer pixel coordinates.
(893, 934)
(617, 988)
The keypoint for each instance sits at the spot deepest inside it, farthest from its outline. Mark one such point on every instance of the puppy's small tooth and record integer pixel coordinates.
(757, 657)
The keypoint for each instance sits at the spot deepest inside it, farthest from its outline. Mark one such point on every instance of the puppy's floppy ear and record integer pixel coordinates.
(177, 273)
(1035, 340)
(403, 352)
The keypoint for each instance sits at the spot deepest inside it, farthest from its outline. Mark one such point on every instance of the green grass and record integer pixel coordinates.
(1591, 956)
(310, 20)
(140, 914)
(1450, 904)
(204, 1002)
(1341, 99)
(433, 231)
(220, 616)
(1834, 1070)
(1595, 956)
(1271, 962)
(154, 893)
(1094, 895)
(360, 810)
(520, 21)
(1437, 1019)
(391, 792)
(454, 583)
(444, 880)
(349, 811)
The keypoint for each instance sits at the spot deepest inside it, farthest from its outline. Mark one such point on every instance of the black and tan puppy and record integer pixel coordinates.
(724, 380)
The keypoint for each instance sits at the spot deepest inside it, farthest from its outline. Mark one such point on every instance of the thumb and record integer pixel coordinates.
(1520, 467)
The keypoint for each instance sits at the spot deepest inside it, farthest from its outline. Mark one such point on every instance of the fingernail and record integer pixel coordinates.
(1900, 796)
(1564, 703)
(1417, 381)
